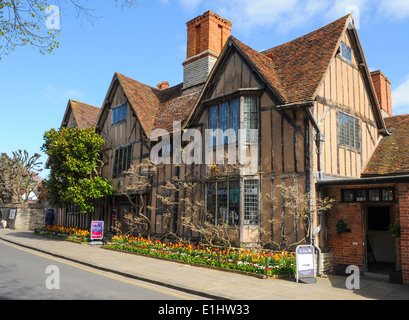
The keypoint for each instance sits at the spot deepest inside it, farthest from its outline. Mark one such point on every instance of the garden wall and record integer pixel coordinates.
(23, 216)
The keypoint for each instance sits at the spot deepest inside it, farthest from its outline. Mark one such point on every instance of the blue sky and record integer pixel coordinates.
(148, 43)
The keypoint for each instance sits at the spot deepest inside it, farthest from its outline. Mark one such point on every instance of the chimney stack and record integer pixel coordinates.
(163, 85)
(206, 36)
(383, 92)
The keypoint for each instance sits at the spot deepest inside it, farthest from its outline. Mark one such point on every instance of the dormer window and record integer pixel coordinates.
(346, 52)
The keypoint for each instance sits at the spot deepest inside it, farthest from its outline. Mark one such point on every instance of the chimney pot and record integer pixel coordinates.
(163, 85)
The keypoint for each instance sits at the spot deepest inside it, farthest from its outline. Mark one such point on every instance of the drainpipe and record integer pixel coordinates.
(319, 139)
(314, 242)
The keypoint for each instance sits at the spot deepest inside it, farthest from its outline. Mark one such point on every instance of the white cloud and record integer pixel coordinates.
(71, 94)
(285, 16)
(58, 95)
(190, 5)
(400, 97)
(395, 9)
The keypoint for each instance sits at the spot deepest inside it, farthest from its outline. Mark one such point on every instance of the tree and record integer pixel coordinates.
(176, 194)
(18, 175)
(25, 22)
(298, 206)
(75, 168)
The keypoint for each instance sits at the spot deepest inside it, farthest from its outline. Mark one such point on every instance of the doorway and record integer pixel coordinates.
(380, 246)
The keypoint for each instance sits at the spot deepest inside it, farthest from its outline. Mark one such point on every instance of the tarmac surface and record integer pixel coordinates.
(206, 282)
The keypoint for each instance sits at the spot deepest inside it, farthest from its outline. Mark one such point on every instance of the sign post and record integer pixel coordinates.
(97, 232)
(305, 264)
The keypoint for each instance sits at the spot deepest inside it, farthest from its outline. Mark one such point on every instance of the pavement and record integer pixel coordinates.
(205, 282)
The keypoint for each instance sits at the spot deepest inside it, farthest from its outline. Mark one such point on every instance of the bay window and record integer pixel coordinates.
(223, 202)
(226, 115)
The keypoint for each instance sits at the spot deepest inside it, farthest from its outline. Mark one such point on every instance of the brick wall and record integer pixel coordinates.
(403, 246)
(348, 248)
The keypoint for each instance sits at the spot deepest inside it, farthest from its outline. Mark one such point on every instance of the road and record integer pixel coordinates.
(29, 275)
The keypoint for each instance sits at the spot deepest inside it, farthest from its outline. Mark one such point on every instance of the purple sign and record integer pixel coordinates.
(305, 261)
(97, 230)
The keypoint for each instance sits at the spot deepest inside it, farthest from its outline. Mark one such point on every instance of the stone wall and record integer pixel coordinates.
(28, 216)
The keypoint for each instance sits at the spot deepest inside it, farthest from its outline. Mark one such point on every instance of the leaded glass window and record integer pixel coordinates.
(349, 133)
(223, 202)
(251, 202)
(250, 117)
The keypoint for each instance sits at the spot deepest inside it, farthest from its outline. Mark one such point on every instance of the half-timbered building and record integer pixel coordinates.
(319, 115)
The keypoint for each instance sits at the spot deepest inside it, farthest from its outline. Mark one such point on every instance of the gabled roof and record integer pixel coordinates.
(295, 70)
(303, 62)
(391, 156)
(265, 66)
(155, 108)
(85, 115)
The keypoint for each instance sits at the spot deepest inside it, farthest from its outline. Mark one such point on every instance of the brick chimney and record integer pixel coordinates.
(206, 36)
(163, 85)
(383, 91)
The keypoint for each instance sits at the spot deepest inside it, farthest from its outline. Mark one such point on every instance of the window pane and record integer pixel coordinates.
(349, 195)
(374, 195)
(343, 49)
(357, 136)
(222, 212)
(213, 123)
(250, 117)
(224, 118)
(129, 158)
(234, 199)
(349, 133)
(387, 195)
(235, 117)
(123, 112)
(250, 202)
(114, 113)
(211, 202)
(360, 195)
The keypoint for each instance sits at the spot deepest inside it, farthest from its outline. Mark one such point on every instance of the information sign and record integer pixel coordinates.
(97, 230)
(305, 264)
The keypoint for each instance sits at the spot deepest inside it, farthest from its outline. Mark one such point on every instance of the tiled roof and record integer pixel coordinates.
(265, 66)
(155, 108)
(84, 114)
(302, 63)
(391, 157)
(294, 70)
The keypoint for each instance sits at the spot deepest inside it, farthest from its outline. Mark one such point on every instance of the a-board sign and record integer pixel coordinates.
(305, 264)
(97, 230)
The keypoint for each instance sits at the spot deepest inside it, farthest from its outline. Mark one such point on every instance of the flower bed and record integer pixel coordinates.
(257, 262)
(66, 233)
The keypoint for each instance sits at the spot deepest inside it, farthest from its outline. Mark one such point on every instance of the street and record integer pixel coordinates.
(29, 275)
